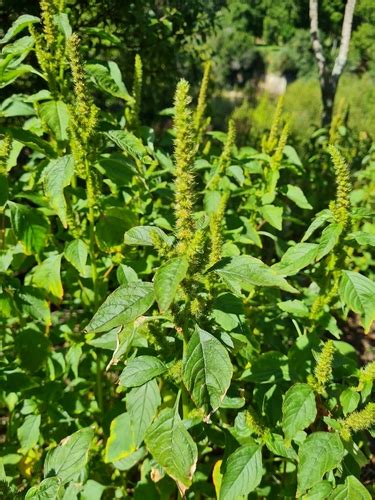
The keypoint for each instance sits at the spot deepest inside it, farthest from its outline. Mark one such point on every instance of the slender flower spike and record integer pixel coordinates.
(367, 374)
(184, 158)
(83, 101)
(341, 208)
(269, 143)
(137, 92)
(358, 421)
(201, 107)
(225, 157)
(323, 368)
(48, 10)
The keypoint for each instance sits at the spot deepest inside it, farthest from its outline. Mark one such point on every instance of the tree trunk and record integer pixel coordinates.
(329, 79)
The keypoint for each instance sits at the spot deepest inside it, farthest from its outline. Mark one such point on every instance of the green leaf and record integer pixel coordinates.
(320, 491)
(47, 276)
(294, 307)
(120, 443)
(243, 472)
(129, 143)
(268, 368)
(329, 239)
(31, 140)
(363, 238)
(357, 292)
(62, 21)
(109, 79)
(4, 189)
(56, 116)
(166, 281)
(295, 194)
(207, 370)
(76, 253)
(349, 400)
(296, 258)
(56, 176)
(146, 235)
(140, 370)
(47, 489)
(352, 489)
(276, 444)
(273, 215)
(68, 459)
(320, 219)
(318, 454)
(172, 447)
(28, 432)
(142, 404)
(299, 409)
(122, 306)
(29, 226)
(19, 24)
(243, 272)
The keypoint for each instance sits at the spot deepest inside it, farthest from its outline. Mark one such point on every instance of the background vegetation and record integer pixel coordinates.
(186, 258)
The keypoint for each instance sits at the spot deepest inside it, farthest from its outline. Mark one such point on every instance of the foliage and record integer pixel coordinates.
(173, 306)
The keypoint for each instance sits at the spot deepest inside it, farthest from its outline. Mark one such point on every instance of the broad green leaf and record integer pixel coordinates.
(33, 303)
(31, 140)
(358, 293)
(109, 79)
(70, 456)
(318, 454)
(295, 194)
(207, 370)
(172, 447)
(146, 236)
(28, 432)
(49, 488)
(243, 472)
(320, 219)
(129, 461)
(122, 306)
(243, 272)
(273, 215)
(352, 489)
(29, 226)
(268, 368)
(4, 189)
(329, 239)
(56, 176)
(129, 143)
(19, 24)
(62, 22)
(140, 370)
(92, 490)
(55, 115)
(292, 155)
(276, 444)
(121, 442)
(320, 491)
(299, 409)
(142, 404)
(296, 258)
(362, 238)
(76, 253)
(47, 276)
(349, 400)
(294, 307)
(166, 281)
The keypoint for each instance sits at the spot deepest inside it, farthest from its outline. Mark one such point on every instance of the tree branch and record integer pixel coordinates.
(315, 40)
(345, 39)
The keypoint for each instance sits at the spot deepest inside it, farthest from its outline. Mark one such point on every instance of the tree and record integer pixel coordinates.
(328, 77)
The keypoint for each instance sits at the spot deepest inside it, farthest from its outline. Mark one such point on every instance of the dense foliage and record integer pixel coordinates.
(175, 308)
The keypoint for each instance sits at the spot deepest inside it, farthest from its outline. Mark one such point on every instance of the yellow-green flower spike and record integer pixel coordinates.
(137, 92)
(225, 157)
(323, 368)
(366, 374)
(341, 210)
(216, 224)
(5, 149)
(278, 155)
(83, 101)
(269, 143)
(202, 102)
(358, 421)
(49, 29)
(254, 423)
(184, 152)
